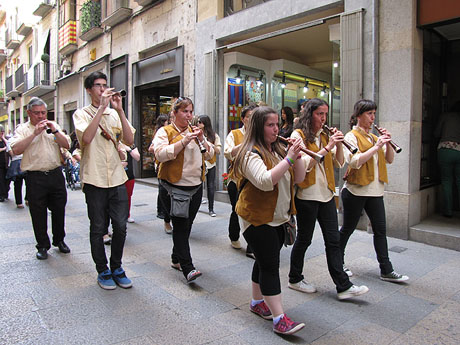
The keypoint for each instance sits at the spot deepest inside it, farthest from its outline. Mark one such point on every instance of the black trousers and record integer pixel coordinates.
(326, 213)
(211, 187)
(46, 190)
(106, 204)
(182, 228)
(233, 225)
(3, 183)
(266, 241)
(18, 181)
(161, 208)
(352, 208)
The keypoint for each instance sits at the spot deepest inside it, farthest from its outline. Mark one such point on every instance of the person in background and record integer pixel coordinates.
(204, 123)
(162, 213)
(365, 185)
(448, 130)
(287, 122)
(45, 181)
(314, 201)
(4, 160)
(131, 153)
(16, 175)
(100, 129)
(182, 171)
(266, 175)
(232, 144)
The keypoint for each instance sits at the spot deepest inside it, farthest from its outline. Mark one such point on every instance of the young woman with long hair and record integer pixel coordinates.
(266, 175)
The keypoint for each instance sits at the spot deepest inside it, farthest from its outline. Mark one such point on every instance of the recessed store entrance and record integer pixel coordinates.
(155, 99)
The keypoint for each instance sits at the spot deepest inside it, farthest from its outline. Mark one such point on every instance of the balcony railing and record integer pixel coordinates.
(115, 12)
(19, 78)
(44, 8)
(10, 90)
(90, 20)
(233, 6)
(11, 39)
(68, 38)
(40, 79)
(3, 55)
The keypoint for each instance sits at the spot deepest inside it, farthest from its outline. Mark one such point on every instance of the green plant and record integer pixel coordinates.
(90, 15)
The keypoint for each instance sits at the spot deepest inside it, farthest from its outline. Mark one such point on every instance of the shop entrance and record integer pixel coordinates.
(155, 99)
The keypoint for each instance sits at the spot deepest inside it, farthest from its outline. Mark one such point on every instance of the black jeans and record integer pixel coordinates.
(3, 183)
(326, 213)
(266, 241)
(233, 225)
(352, 208)
(162, 192)
(18, 181)
(182, 228)
(46, 190)
(104, 204)
(211, 187)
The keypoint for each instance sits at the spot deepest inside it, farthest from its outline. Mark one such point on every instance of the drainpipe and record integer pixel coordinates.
(375, 44)
(56, 71)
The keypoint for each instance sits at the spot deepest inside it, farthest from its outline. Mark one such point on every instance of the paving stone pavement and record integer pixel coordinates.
(57, 301)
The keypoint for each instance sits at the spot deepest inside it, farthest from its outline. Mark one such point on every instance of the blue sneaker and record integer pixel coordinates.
(120, 278)
(105, 280)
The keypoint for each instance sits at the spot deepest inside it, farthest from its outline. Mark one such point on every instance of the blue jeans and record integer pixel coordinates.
(307, 213)
(449, 162)
(104, 204)
(352, 208)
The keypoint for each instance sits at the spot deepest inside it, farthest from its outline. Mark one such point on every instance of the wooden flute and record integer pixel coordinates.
(349, 146)
(316, 156)
(200, 145)
(392, 144)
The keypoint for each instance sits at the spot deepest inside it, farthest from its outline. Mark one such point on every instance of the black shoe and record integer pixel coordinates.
(250, 255)
(62, 247)
(42, 254)
(2, 199)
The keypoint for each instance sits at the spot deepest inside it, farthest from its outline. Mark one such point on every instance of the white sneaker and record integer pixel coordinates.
(302, 286)
(130, 220)
(353, 292)
(236, 244)
(347, 271)
(394, 277)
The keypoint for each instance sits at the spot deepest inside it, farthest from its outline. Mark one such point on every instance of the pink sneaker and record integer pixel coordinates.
(262, 310)
(287, 326)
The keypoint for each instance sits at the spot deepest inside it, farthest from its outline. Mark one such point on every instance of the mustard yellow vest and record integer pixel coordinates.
(237, 139)
(365, 175)
(258, 207)
(171, 171)
(310, 177)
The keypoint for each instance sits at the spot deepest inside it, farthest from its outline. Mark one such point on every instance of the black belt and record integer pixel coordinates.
(46, 172)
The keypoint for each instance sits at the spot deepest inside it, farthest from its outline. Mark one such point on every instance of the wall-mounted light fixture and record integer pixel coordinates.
(283, 81)
(335, 64)
(259, 81)
(323, 91)
(238, 77)
(305, 88)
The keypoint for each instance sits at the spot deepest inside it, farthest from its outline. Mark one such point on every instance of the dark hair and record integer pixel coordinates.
(89, 80)
(255, 136)
(289, 116)
(160, 122)
(250, 106)
(305, 118)
(361, 107)
(182, 102)
(208, 131)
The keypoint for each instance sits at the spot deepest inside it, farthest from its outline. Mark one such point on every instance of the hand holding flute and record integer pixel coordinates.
(198, 142)
(387, 138)
(319, 158)
(332, 131)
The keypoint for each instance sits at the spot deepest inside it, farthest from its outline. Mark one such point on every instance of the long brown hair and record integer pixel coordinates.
(208, 131)
(255, 137)
(305, 118)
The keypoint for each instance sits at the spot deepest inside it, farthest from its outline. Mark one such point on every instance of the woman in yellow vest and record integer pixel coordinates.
(364, 186)
(204, 123)
(314, 201)
(232, 144)
(266, 177)
(181, 171)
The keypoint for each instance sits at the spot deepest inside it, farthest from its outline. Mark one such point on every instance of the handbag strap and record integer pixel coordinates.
(105, 133)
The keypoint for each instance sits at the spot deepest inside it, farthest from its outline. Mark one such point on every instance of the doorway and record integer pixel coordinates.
(154, 101)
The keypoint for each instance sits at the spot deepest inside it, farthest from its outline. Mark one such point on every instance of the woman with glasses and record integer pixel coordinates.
(266, 175)
(181, 171)
(204, 123)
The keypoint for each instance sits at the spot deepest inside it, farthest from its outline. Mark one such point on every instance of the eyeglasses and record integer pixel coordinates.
(100, 86)
(36, 113)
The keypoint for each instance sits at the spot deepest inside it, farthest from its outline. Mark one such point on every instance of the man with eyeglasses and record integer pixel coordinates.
(39, 140)
(100, 129)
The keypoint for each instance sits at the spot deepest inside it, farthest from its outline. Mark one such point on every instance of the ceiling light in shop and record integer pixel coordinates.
(305, 88)
(238, 77)
(335, 64)
(283, 82)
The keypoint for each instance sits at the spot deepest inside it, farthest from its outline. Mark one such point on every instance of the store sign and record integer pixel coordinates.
(4, 118)
(432, 12)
